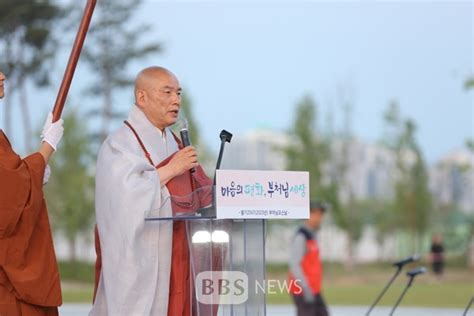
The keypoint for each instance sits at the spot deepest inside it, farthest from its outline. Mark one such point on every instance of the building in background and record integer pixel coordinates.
(370, 172)
(370, 169)
(260, 149)
(452, 180)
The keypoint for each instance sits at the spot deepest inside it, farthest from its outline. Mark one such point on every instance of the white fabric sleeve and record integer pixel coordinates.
(126, 187)
(297, 252)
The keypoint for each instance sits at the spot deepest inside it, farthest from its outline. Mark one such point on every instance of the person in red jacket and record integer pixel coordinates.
(305, 266)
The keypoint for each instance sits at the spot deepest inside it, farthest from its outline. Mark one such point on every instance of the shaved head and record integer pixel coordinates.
(146, 78)
(158, 95)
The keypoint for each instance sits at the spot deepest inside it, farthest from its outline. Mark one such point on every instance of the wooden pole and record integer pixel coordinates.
(73, 58)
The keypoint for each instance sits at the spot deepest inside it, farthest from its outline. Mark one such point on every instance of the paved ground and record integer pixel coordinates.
(288, 310)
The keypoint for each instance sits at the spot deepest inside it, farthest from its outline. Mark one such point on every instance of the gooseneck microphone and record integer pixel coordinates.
(225, 137)
(399, 264)
(403, 262)
(411, 274)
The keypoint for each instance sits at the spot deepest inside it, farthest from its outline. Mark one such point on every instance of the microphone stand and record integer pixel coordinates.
(411, 274)
(225, 136)
(399, 269)
(468, 306)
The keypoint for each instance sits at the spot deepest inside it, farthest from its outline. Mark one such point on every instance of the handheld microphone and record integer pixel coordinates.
(414, 272)
(403, 262)
(185, 137)
(184, 133)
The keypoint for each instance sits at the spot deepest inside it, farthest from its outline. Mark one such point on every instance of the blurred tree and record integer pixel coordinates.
(186, 112)
(469, 83)
(412, 201)
(378, 215)
(308, 151)
(348, 213)
(327, 166)
(27, 45)
(70, 191)
(113, 43)
(470, 145)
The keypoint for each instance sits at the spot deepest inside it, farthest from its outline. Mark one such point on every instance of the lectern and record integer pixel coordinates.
(227, 256)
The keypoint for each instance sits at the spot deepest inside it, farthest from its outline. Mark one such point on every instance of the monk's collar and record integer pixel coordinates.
(143, 126)
(162, 133)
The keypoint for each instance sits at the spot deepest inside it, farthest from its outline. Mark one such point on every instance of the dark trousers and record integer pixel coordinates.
(316, 308)
(438, 267)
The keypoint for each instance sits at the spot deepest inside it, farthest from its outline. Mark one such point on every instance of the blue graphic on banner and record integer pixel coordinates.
(257, 189)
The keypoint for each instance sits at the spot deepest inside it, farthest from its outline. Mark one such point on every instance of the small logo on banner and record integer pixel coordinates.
(222, 287)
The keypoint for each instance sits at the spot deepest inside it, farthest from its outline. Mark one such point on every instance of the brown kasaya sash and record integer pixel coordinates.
(183, 185)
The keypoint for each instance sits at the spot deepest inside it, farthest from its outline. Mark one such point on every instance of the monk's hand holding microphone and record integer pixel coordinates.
(184, 160)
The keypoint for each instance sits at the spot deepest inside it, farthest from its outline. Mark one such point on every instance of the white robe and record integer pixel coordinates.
(136, 255)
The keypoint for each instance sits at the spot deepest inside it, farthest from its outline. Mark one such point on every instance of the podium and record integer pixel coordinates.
(227, 256)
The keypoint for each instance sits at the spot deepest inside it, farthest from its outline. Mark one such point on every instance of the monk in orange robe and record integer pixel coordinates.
(29, 277)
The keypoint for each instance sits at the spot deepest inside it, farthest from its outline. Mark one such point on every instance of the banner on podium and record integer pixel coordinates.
(258, 194)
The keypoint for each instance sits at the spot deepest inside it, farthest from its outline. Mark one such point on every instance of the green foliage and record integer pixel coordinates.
(187, 113)
(307, 152)
(412, 201)
(311, 151)
(470, 144)
(458, 228)
(26, 29)
(27, 45)
(383, 217)
(469, 84)
(70, 190)
(77, 271)
(361, 213)
(112, 44)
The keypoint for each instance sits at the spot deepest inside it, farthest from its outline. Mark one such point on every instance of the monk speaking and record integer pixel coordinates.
(29, 277)
(143, 267)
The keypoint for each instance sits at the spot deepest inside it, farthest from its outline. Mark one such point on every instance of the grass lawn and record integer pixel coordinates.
(359, 287)
(454, 295)
(78, 295)
(445, 294)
